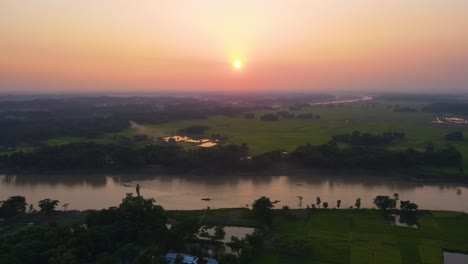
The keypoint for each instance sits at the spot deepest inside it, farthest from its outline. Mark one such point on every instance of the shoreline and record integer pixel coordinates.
(410, 175)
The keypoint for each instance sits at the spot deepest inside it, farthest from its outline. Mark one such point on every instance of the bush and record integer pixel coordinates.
(269, 117)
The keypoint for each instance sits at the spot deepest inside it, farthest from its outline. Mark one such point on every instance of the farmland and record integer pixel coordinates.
(287, 134)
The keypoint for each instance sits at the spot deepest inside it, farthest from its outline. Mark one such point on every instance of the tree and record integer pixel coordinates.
(383, 202)
(269, 117)
(318, 201)
(300, 201)
(31, 209)
(357, 204)
(13, 206)
(407, 205)
(285, 211)
(228, 259)
(396, 197)
(47, 205)
(262, 210)
(219, 233)
(454, 136)
(338, 204)
(325, 205)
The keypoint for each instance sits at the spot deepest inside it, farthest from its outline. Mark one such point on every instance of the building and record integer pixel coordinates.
(187, 259)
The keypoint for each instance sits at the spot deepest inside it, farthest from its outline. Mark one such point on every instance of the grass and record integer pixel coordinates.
(287, 134)
(365, 236)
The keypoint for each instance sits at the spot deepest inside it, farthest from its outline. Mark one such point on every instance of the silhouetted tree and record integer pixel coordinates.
(396, 197)
(383, 202)
(300, 201)
(357, 204)
(219, 233)
(407, 205)
(262, 210)
(47, 205)
(338, 204)
(12, 206)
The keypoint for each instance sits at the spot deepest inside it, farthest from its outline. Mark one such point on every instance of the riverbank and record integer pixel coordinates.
(414, 174)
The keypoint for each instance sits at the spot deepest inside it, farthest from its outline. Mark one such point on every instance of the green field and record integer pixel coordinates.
(287, 134)
(363, 236)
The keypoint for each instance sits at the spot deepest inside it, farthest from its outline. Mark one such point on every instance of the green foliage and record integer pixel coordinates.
(364, 236)
(193, 130)
(47, 205)
(407, 205)
(454, 136)
(383, 202)
(219, 232)
(357, 204)
(112, 235)
(12, 206)
(228, 259)
(262, 210)
(367, 139)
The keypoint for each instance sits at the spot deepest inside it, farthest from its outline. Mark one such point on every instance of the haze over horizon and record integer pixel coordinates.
(233, 46)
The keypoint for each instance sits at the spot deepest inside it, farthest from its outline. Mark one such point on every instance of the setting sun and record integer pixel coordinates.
(237, 64)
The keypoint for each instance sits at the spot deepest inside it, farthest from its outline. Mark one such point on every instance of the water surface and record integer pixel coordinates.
(186, 192)
(455, 258)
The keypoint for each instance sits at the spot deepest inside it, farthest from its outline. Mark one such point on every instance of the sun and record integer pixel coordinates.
(237, 64)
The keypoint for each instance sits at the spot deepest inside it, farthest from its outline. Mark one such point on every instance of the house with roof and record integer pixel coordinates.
(187, 259)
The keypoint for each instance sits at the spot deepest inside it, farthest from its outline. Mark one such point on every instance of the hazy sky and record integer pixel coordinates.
(122, 45)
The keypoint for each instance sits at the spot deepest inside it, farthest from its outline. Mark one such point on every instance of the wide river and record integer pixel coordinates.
(186, 192)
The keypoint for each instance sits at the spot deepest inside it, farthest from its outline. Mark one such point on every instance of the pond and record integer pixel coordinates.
(87, 191)
(407, 220)
(204, 142)
(236, 231)
(455, 258)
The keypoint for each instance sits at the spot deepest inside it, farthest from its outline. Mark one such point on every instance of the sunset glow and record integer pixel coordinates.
(107, 45)
(237, 65)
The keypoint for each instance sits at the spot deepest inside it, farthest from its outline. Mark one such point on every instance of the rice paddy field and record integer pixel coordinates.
(364, 237)
(287, 134)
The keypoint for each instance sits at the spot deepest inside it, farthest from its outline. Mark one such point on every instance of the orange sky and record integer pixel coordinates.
(120, 45)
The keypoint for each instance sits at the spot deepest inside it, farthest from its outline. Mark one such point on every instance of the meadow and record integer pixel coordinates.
(287, 134)
(364, 236)
(355, 236)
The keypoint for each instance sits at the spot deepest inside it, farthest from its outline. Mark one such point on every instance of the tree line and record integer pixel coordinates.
(368, 139)
(84, 156)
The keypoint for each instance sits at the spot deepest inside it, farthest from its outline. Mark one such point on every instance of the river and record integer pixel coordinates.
(186, 192)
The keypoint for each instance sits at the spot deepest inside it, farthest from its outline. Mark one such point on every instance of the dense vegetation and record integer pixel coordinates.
(136, 232)
(367, 139)
(227, 157)
(29, 122)
(454, 136)
(454, 108)
(111, 235)
(35, 134)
